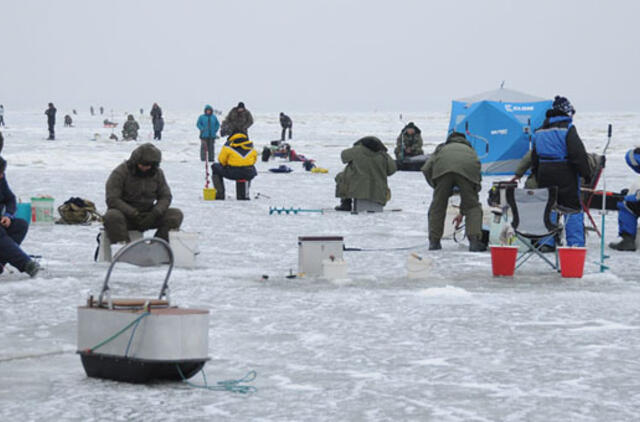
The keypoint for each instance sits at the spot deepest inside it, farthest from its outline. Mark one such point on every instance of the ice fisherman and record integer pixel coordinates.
(239, 120)
(91, 110)
(68, 121)
(558, 158)
(236, 161)
(454, 165)
(409, 142)
(1, 115)
(629, 208)
(208, 125)
(51, 121)
(101, 110)
(157, 121)
(1, 142)
(12, 230)
(138, 197)
(287, 124)
(368, 165)
(130, 129)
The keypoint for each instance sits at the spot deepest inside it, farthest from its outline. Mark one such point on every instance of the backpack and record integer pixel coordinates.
(78, 211)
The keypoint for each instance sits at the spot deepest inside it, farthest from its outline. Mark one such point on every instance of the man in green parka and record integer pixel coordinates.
(365, 176)
(409, 142)
(455, 164)
(138, 197)
(130, 129)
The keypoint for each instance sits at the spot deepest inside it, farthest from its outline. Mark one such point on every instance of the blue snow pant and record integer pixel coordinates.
(10, 239)
(573, 229)
(628, 213)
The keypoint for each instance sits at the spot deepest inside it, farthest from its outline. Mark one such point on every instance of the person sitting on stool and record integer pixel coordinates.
(138, 197)
(236, 162)
(629, 208)
(12, 231)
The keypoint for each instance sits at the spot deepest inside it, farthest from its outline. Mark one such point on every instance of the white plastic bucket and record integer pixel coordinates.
(418, 267)
(42, 210)
(185, 248)
(334, 269)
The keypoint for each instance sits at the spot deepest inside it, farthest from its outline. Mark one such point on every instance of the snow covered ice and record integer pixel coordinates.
(459, 346)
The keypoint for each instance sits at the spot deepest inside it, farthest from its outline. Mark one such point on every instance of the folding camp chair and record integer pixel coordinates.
(533, 222)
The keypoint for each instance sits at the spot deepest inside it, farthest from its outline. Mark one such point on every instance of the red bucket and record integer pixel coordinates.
(572, 261)
(503, 260)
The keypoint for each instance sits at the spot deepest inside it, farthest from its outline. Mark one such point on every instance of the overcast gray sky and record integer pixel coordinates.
(309, 55)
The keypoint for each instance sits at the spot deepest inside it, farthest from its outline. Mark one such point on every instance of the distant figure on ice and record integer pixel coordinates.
(91, 110)
(365, 176)
(236, 162)
(285, 123)
(68, 121)
(74, 112)
(629, 208)
(1, 142)
(12, 230)
(141, 111)
(51, 121)
(455, 164)
(1, 115)
(558, 158)
(130, 129)
(409, 142)
(239, 120)
(101, 110)
(208, 125)
(157, 120)
(138, 197)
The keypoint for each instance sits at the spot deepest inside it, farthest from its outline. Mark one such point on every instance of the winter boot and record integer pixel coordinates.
(476, 244)
(32, 268)
(628, 243)
(434, 245)
(345, 205)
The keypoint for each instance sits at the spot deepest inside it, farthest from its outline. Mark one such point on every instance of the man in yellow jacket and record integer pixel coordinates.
(236, 162)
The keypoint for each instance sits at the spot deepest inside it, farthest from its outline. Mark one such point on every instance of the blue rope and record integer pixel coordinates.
(233, 386)
(133, 332)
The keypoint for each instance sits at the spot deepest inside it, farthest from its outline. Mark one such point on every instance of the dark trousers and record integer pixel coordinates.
(220, 172)
(117, 225)
(52, 134)
(157, 134)
(284, 131)
(469, 205)
(207, 151)
(10, 239)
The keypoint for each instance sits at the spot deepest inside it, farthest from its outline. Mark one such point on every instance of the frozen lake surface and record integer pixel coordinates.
(460, 346)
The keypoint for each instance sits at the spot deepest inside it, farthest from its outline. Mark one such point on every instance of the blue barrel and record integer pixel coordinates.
(24, 211)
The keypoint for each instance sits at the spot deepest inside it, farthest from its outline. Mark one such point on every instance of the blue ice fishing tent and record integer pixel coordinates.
(497, 125)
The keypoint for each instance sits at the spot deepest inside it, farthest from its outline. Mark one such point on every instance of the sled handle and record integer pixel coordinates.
(153, 255)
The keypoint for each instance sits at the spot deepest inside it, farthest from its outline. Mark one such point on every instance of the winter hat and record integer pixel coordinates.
(632, 157)
(3, 165)
(240, 104)
(563, 105)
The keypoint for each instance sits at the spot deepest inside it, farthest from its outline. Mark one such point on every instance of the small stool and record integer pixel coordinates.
(363, 205)
(242, 189)
(104, 244)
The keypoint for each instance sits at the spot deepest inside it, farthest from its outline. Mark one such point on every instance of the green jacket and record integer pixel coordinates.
(237, 121)
(456, 155)
(130, 128)
(412, 145)
(365, 176)
(132, 192)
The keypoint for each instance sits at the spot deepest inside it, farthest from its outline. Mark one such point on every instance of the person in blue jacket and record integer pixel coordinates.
(558, 158)
(12, 230)
(629, 208)
(208, 125)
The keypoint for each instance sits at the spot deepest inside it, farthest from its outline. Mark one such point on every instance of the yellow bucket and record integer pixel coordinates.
(209, 194)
